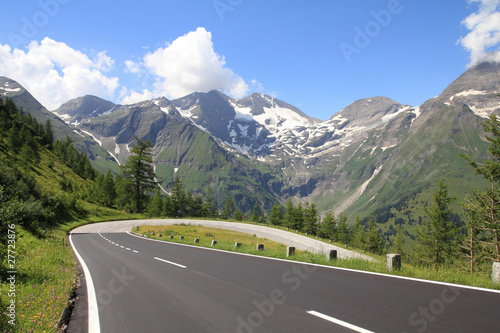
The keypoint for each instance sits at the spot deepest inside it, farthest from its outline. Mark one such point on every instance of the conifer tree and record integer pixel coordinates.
(238, 215)
(197, 206)
(139, 167)
(228, 209)
(155, 205)
(276, 216)
(209, 208)
(13, 139)
(168, 206)
(310, 219)
(343, 234)
(485, 205)
(108, 189)
(375, 242)
(328, 227)
(48, 138)
(288, 218)
(179, 201)
(255, 213)
(124, 193)
(437, 236)
(399, 240)
(358, 238)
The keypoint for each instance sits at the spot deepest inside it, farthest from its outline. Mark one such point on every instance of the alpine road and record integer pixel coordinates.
(133, 284)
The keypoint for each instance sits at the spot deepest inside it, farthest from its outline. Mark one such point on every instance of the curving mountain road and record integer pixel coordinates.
(139, 285)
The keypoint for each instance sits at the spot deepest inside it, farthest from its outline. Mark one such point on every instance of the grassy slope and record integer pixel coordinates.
(45, 264)
(202, 163)
(410, 175)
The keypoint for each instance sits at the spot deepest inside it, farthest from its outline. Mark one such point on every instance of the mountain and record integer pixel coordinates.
(374, 157)
(182, 148)
(84, 107)
(99, 157)
(249, 126)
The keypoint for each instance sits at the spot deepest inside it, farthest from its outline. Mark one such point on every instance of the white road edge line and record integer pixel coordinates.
(339, 322)
(94, 325)
(170, 262)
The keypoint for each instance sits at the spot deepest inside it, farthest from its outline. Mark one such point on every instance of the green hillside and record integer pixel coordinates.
(403, 188)
(42, 196)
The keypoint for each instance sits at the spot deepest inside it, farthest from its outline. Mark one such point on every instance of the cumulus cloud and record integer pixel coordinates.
(190, 64)
(55, 73)
(131, 97)
(484, 37)
(132, 67)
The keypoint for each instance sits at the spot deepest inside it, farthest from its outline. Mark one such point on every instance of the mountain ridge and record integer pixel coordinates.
(371, 157)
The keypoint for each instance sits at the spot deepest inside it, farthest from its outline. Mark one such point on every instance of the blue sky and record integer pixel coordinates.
(319, 55)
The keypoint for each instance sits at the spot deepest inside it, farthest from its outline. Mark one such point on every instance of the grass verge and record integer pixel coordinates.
(46, 276)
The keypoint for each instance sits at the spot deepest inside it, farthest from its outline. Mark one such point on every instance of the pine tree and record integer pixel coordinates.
(358, 238)
(262, 218)
(13, 140)
(470, 247)
(288, 218)
(437, 236)
(48, 138)
(188, 204)
(228, 209)
(139, 167)
(375, 242)
(276, 216)
(179, 201)
(168, 206)
(238, 215)
(108, 189)
(255, 213)
(124, 193)
(485, 206)
(209, 208)
(197, 206)
(328, 227)
(343, 234)
(310, 219)
(155, 205)
(399, 240)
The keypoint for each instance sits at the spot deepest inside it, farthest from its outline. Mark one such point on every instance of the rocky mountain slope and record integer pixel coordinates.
(101, 159)
(376, 156)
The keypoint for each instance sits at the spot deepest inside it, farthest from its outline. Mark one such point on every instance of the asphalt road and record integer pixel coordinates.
(147, 286)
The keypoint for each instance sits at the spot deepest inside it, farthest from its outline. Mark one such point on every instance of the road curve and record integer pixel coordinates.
(142, 285)
(279, 235)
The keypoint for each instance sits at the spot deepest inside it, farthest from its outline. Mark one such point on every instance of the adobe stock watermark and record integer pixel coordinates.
(363, 36)
(31, 26)
(223, 6)
(292, 278)
(115, 286)
(420, 319)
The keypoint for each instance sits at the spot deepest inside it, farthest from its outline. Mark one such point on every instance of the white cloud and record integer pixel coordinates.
(132, 97)
(132, 67)
(55, 73)
(190, 64)
(484, 37)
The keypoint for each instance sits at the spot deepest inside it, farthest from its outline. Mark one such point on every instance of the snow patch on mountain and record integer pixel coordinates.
(11, 90)
(93, 137)
(187, 113)
(469, 93)
(484, 112)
